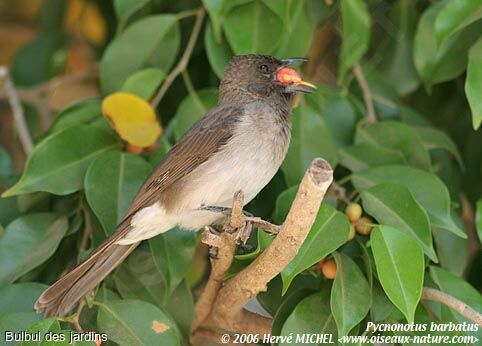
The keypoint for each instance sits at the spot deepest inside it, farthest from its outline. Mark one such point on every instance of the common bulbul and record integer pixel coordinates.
(238, 145)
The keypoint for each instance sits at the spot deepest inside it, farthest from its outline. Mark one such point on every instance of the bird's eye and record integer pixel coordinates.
(263, 68)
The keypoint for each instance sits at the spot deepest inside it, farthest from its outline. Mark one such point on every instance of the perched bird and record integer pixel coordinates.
(238, 145)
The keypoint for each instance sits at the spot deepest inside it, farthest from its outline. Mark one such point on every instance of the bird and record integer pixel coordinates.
(238, 145)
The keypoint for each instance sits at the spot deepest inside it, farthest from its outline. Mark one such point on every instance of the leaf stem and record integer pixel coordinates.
(192, 92)
(183, 62)
(367, 94)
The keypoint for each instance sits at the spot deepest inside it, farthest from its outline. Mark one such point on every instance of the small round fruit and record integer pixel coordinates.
(353, 211)
(328, 268)
(134, 149)
(351, 235)
(364, 225)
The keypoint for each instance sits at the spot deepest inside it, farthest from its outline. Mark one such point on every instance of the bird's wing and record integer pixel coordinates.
(196, 146)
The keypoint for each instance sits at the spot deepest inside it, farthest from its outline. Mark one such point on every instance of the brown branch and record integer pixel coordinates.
(17, 110)
(221, 304)
(183, 62)
(367, 94)
(453, 303)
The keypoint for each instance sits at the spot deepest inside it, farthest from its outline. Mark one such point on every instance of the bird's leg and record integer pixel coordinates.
(213, 251)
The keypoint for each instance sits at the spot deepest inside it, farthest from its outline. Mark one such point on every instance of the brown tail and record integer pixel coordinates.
(60, 298)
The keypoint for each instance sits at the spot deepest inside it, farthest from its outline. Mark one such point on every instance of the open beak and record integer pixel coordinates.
(298, 85)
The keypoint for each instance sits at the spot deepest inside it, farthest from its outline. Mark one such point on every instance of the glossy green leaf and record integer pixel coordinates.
(349, 303)
(7, 172)
(217, 10)
(42, 327)
(20, 297)
(173, 252)
(433, 138)
(81, 112)
(310, 138)
(396, 136)
(286, 308)
(219, 53)
(283, 204)
(330, 230)
(134, 322)
(311, 316)
(155, 41)
(16, 322)
(393, 205)
(144, 83)
(452, 250)
(59, 162)
(457, 288)
(192, 108)
(298, 30)
(478, 219)
(253, 28)
(381, 307)
(456, 16)
(356, 34)
(124, 9)
(392, 250)
(437, 64)
(111, 182)
(473, 83)
(396, 49)
(426, 188)
(366, 155)
(28, 242)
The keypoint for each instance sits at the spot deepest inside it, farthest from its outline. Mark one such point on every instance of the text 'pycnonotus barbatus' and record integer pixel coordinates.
(238, 145)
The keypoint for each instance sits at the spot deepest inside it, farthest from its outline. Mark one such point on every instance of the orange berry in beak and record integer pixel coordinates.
(287, 75)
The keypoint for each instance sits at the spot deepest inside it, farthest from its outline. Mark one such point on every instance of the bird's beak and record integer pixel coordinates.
(297, 85)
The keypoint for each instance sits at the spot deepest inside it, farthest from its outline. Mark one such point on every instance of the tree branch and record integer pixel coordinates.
(221, 304)
(453, 303)
(183, 62)
(367, 94)
(17, 110)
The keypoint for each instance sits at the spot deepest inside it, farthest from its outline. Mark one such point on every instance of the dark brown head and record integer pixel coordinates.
(261, 76)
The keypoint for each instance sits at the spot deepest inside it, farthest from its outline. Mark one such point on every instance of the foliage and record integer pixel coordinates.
(419, 66)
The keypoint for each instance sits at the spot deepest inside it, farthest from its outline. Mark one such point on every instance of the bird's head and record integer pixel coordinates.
(263, 75)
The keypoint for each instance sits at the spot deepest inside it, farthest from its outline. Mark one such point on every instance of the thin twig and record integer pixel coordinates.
(17, 111)
(183, 62)
(367, 94)
(453, 303)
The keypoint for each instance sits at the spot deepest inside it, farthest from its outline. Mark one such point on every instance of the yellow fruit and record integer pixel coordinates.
(364, 225)
(351, 235)
(353, 211)
(328, 268)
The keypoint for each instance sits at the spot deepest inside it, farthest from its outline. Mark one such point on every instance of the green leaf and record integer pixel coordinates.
(149, 42)
(478, 219)
(438, 64)
(330, 230)
(349, 303)
(283, 204)
(59, 162)
(310, 138)
(253, 28)
(42, 327)
(396, 48)
(192, 108)
(298, 32)
(366, 155)
(20, 297)
(459, 289)
(287, 306)
(144, 83)
(392, 250)
(217, 10)
(111, 182)
(356, 34)
(81, 112)
(28, 242)
(124, 9)
(393, 205)
(456, 16)
(173, 252)
(381, 307)
(433, 138)
(426, 188)
(396, 136)
(451, 250)
(312, 315)
(219, 53)
(473, 83)
(133, 322)
(16, 322)
(7, 172)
